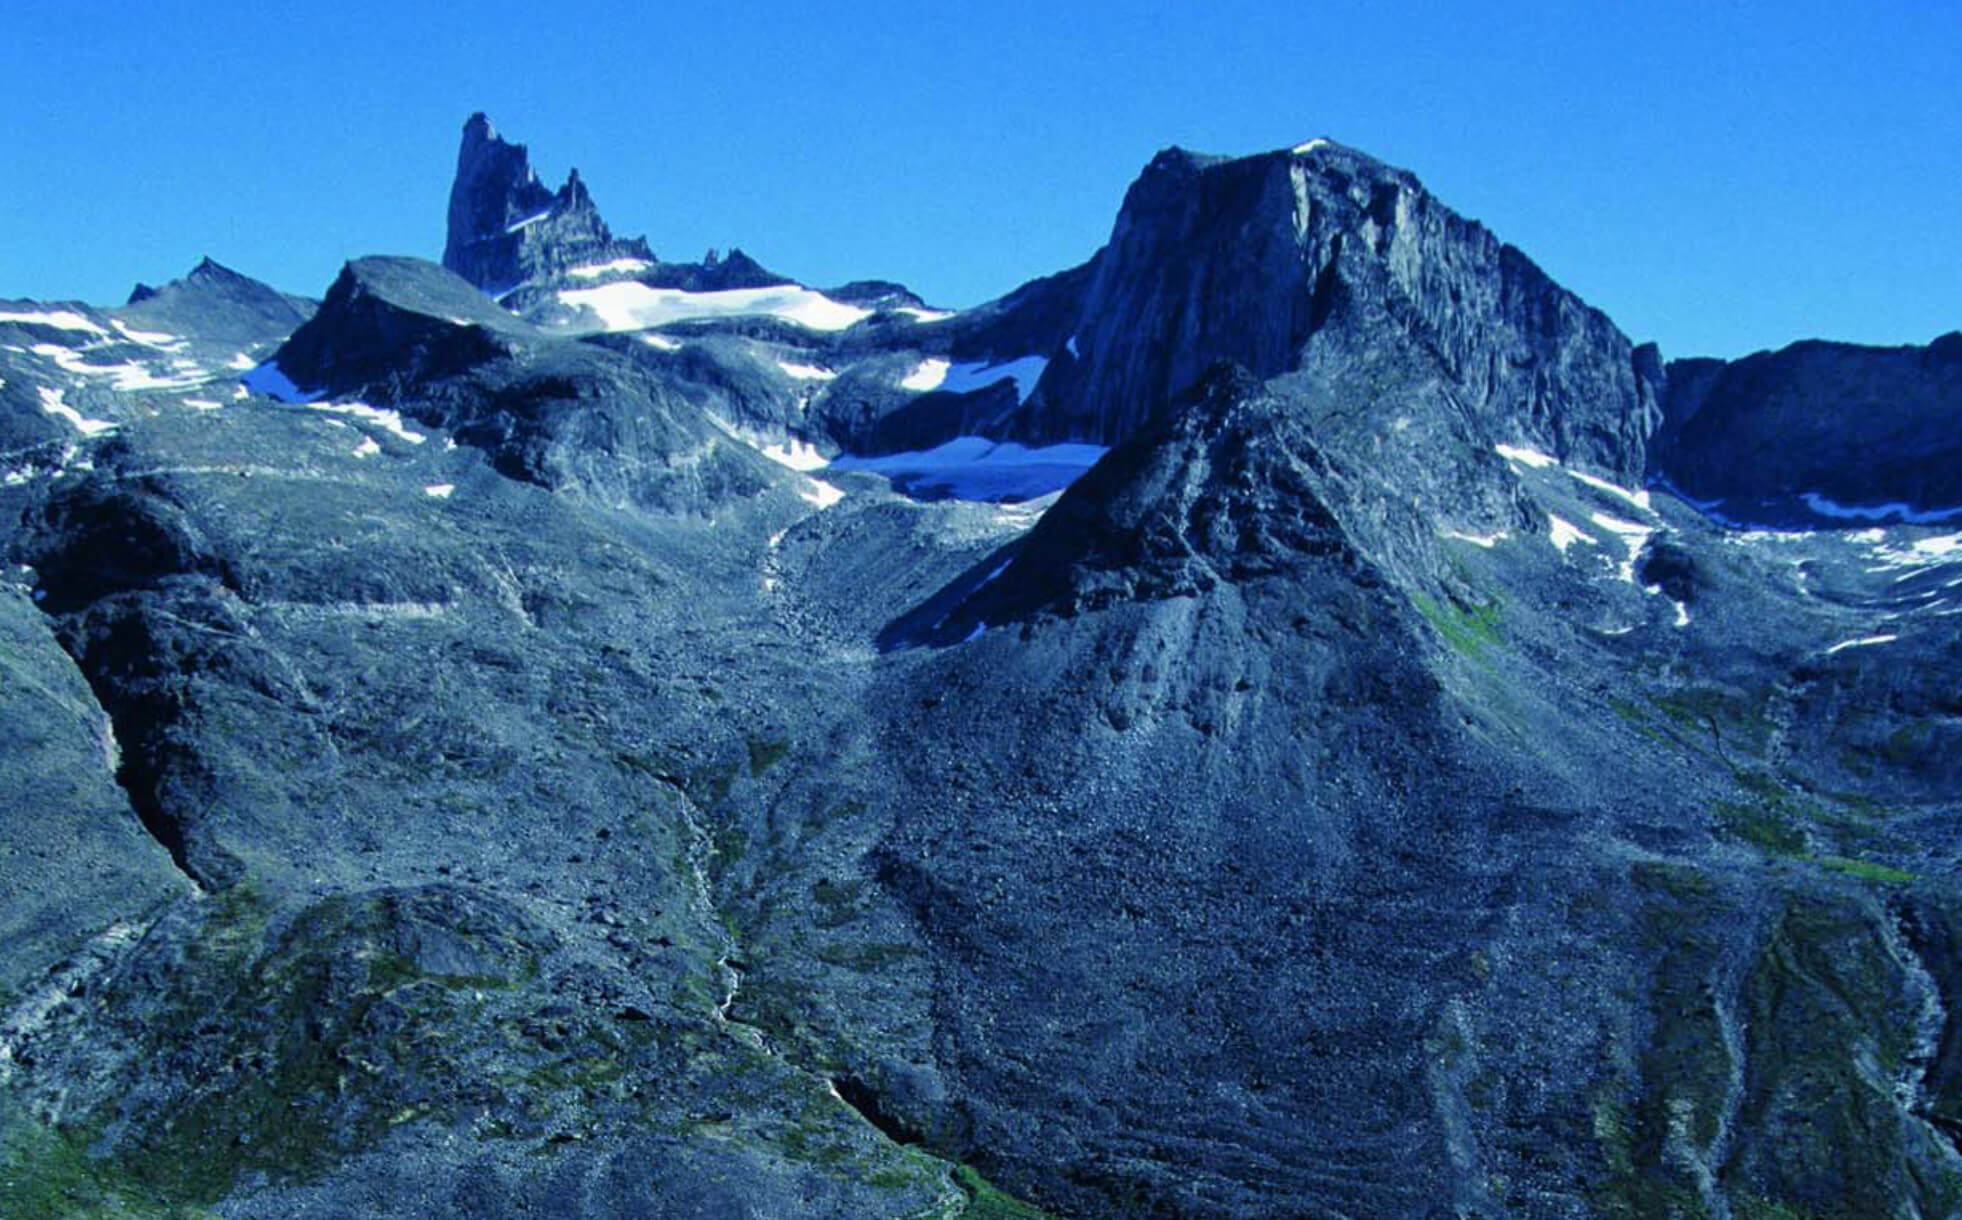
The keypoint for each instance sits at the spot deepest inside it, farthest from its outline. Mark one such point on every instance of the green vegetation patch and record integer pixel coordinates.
(1471, 630)
(766, 752)
(985, 1201)
(49, 1175)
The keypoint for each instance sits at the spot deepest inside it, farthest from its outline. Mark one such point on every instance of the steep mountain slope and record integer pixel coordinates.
(484, 759)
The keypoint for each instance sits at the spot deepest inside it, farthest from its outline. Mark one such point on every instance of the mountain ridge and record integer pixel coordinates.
(496, 753)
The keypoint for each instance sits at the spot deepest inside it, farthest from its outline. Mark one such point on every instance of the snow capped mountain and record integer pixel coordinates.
(1295, 715)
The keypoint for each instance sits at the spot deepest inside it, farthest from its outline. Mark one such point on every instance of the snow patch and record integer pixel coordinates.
(1640, 499)
(1682, 614)
(806, 372)
(820, 493)
(965, 378)
(1526, 457)
(1632, 536)
(202, 404)
(1310, 146)
(59, 319)
(925, 315)
(1070, 347)
(661, 343)
(367, 447)
(124, 377)
(242, 362)
(1863, 642)
(51, 402)
(632, 305)
(1488, 541)
(1563, 534)
(439, 491)
(148, 338)
(518, 226)
(797, 454)
(619, 266)
(935, 373)
(388, 421)
(927, 375)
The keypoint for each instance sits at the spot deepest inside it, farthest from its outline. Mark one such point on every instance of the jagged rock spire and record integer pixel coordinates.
(507, 227)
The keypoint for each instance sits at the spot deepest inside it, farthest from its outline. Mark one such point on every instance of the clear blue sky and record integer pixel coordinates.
(1719, 176)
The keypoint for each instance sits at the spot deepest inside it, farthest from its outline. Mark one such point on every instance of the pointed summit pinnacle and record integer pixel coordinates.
(506, 227)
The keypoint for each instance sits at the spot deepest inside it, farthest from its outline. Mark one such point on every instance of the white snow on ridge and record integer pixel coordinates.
(1879, 512)
(148, 338)
(1526, 457)
(976, 468)
(367, 447)
(619, 266)
(927, 376)
(51, 402)
(527, 222)
(821, 493)
(1862, 642)
(632, 305)
(1563, 534)
(1639, 498)
(1488, 541)
(661, 343)
(125, 377)
(388, 421)
(806, 372)
(962, 378)
(925, 315)
(797, 454)
(201, 404)
(1310, 146)
(60, 319)
(1632, 536)
(936, 373)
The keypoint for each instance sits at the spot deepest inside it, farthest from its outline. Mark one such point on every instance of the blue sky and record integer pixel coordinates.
(1719, 176)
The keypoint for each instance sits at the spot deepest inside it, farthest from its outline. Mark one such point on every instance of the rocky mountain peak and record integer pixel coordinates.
(507, 227)
(1260, 260)
(217, 305)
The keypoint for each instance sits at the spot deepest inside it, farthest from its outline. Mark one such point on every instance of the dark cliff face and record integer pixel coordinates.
(1261, 259)
(506, 227)
(1862, 427)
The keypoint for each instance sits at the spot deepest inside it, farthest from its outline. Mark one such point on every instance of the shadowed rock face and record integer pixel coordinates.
(1860, 426)
(1259, 260)
(506, 227)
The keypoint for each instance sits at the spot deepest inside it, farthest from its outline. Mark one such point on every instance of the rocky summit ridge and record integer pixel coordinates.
(1292, 716)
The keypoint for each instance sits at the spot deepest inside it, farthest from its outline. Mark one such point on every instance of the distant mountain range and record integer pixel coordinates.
(1297, 715)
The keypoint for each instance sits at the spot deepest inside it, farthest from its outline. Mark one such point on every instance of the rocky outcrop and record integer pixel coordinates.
(1263, 259)
(545, 409)
(390, 323)
(506, 227)
(1775, 436)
